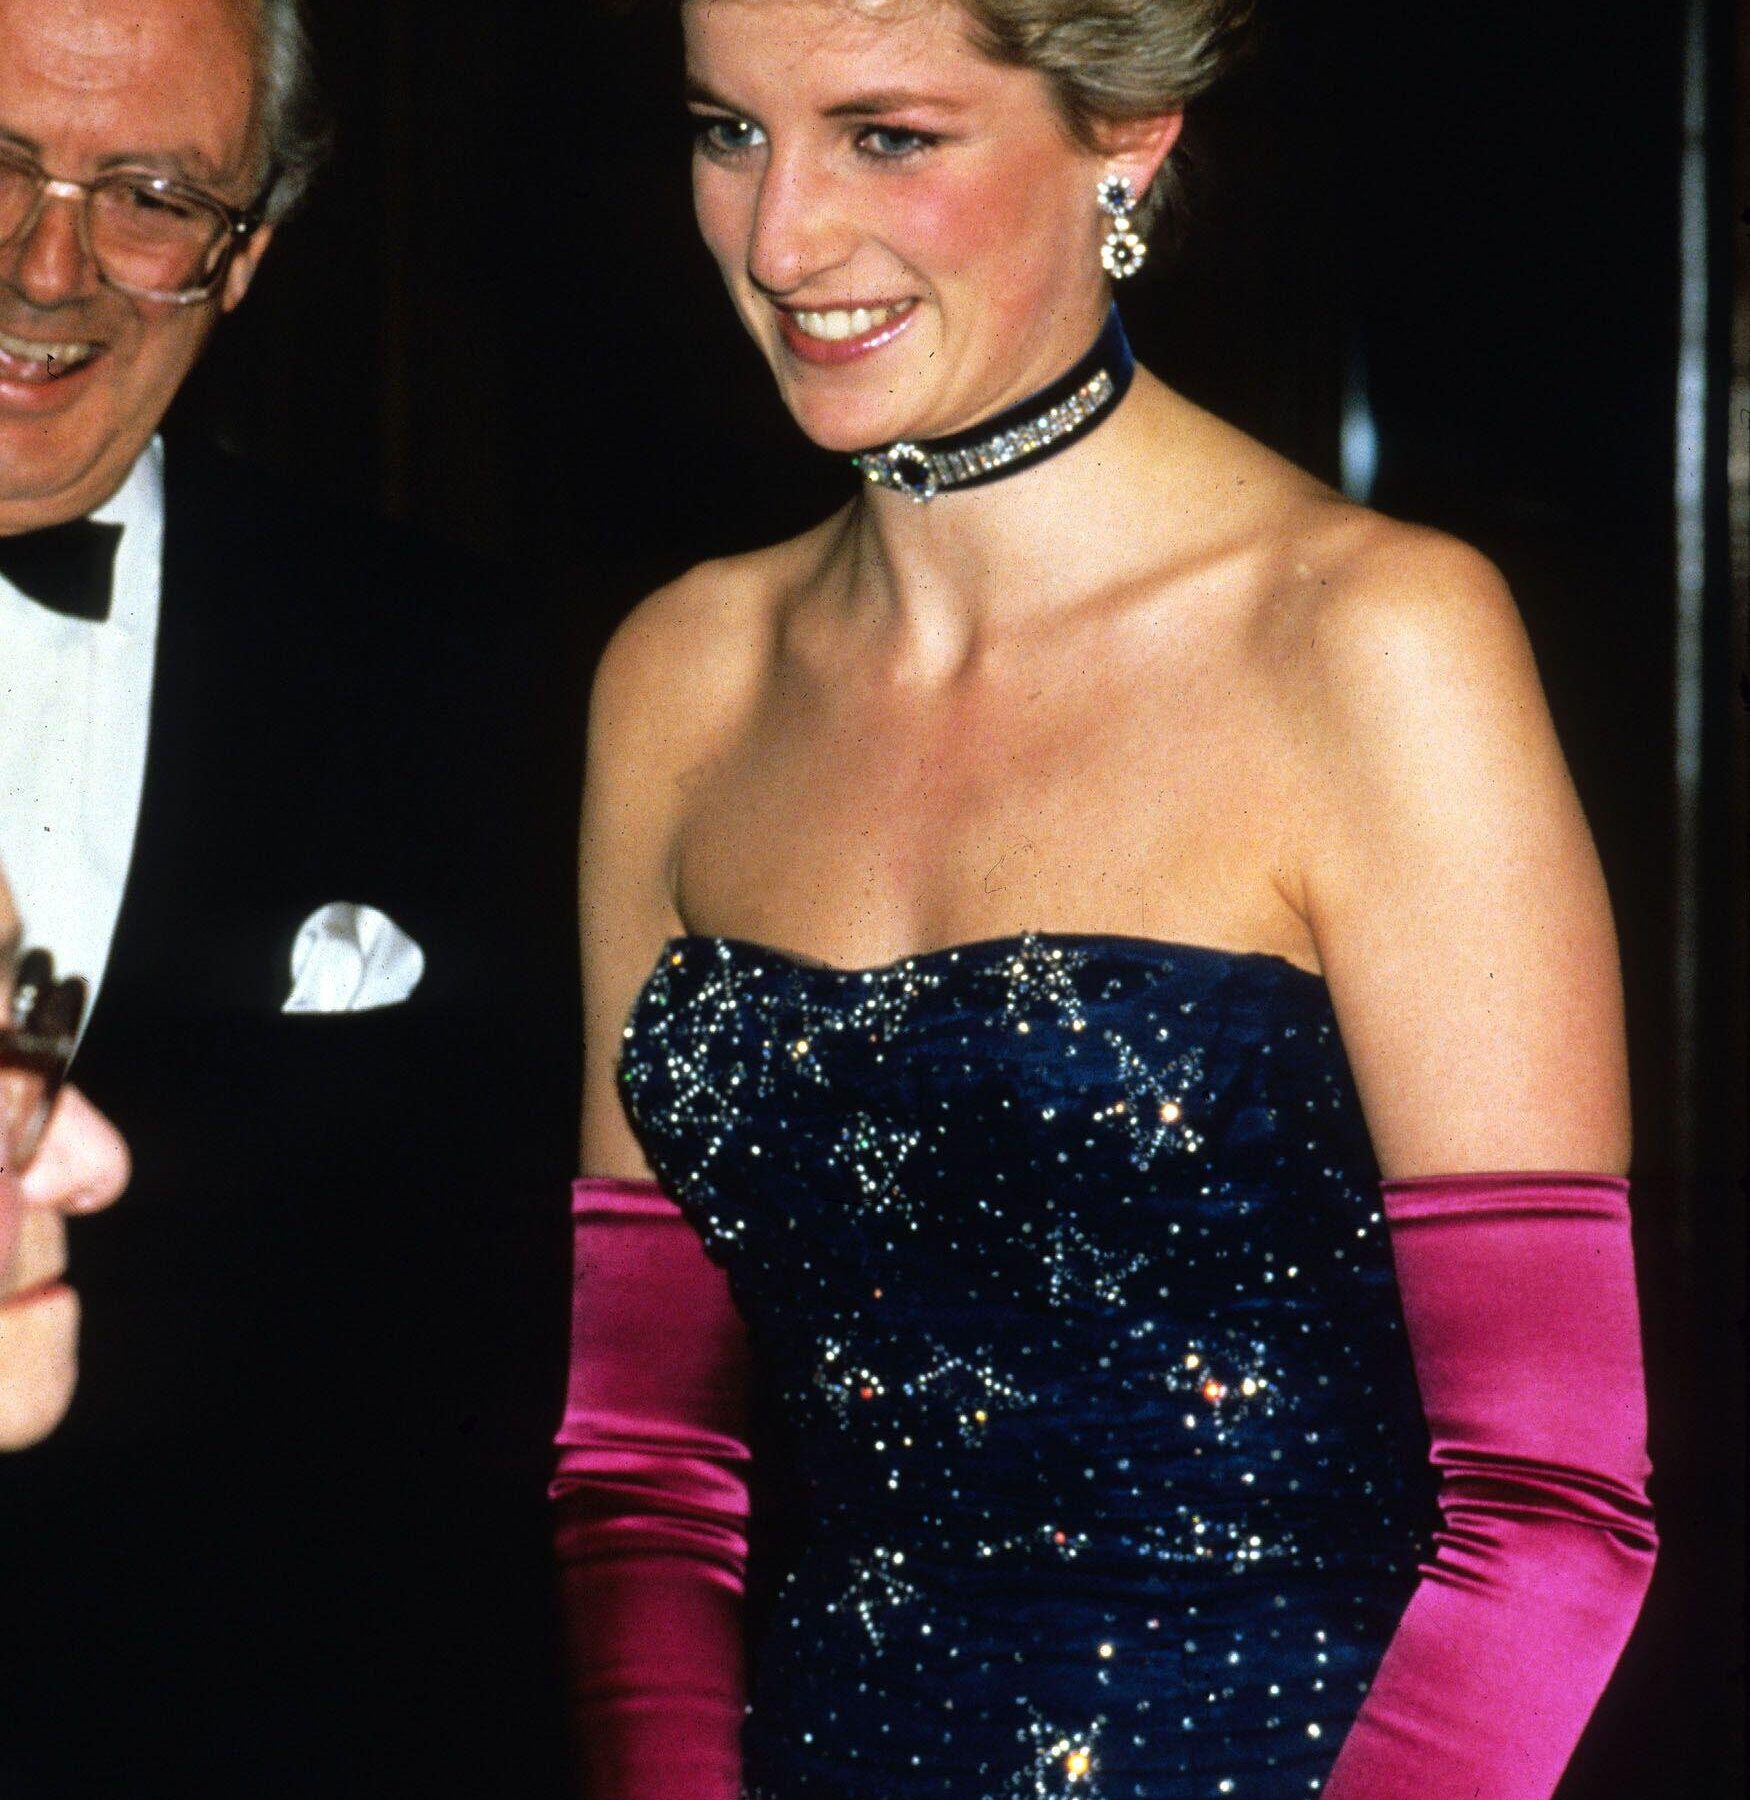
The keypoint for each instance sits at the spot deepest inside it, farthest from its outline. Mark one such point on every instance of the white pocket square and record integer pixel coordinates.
(350, 958)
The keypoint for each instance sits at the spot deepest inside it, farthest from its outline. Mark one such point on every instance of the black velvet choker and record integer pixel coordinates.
(1026, 433)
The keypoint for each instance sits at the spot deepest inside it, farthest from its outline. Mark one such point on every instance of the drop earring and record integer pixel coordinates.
(1122, 252)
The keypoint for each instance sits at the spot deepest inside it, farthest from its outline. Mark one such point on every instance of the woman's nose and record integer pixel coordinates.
(82, 1164)
(799, 230)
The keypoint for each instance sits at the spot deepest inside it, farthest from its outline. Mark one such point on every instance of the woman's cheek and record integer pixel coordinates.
(714, 206)
(997, 225)
(945, 227)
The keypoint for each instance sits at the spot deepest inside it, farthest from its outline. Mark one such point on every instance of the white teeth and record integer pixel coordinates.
(839, 324)
(65, 356)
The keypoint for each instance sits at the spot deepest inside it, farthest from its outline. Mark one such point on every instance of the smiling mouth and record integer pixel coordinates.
(837, 324)
(37, 360)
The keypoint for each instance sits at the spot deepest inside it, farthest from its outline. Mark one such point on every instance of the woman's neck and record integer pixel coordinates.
(969, 568)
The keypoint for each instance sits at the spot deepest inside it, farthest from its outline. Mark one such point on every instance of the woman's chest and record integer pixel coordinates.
(854, 824)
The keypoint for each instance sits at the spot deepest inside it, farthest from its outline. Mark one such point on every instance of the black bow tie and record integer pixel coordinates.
(67, 568)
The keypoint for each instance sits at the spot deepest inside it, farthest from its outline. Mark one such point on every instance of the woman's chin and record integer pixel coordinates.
(845, 430)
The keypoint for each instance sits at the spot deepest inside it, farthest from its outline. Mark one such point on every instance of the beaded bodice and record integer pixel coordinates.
(1064, 1266)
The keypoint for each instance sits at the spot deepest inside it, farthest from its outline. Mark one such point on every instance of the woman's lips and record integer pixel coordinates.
(813, 345)
(40, 1295)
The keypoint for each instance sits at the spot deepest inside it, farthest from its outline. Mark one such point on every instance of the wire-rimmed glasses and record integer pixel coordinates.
(35, 1054)
(150, 236)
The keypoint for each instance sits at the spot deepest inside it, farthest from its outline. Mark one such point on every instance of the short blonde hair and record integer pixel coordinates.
(1108, 62)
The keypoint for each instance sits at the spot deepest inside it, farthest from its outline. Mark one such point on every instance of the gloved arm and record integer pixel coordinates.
(651, 1503)
(1519, 1299)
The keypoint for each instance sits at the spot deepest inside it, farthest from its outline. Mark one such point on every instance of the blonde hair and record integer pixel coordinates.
(1108, 62)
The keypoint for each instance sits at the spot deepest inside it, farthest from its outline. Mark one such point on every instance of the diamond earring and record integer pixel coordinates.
(1122, 253)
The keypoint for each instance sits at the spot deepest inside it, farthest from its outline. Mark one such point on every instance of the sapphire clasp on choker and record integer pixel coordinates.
(1026, 433)
(906, 468)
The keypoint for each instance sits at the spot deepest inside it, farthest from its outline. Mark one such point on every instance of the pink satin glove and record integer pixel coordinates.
(651, 1502)
(1519, 1297)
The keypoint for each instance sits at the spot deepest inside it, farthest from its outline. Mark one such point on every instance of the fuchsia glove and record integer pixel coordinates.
(651, 1499)
(1519, 1297)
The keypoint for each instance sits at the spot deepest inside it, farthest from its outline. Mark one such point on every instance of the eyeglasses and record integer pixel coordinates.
(150, 237)
(35, 1054)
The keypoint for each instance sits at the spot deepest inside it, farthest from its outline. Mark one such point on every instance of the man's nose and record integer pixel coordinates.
(49, 264)
(82, 1163)
(798, 227)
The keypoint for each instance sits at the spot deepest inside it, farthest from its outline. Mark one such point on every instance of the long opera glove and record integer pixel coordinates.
(1519, 1299)
(651, 1503)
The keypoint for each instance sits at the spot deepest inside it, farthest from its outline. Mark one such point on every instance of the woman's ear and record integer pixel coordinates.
(1136, 148)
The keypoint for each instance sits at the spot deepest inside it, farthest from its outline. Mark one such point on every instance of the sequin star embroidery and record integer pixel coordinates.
(875, 1153)
(1077, 1267)
(845, 1382)
(877, 1590)
(1039, 979)
(973, 1390)
(1064, 1764)
(1153, 1105)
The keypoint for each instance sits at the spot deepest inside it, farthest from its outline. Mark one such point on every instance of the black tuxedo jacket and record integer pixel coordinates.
(292, 1539)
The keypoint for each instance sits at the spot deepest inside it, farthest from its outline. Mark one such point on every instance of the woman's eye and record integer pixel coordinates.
(719, 135)
(889, 143)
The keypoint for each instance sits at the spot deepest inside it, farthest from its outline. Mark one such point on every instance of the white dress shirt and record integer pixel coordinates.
(75, 703)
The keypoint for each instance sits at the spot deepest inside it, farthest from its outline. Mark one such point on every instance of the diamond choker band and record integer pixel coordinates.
(1028, 432)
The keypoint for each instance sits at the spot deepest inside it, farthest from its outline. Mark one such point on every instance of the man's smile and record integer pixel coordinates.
(40, 360)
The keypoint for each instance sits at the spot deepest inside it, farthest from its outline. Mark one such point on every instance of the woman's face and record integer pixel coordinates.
(905, 227)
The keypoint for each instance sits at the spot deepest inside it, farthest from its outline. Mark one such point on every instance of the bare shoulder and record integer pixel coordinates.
(1397, 626)
(1410, 690)
(684, 665)
(1342, 604)
(1447, 872)
(680, 653)
(679, 681)
(676, 680)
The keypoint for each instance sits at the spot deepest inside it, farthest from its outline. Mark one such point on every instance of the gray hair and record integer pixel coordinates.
(296, 135)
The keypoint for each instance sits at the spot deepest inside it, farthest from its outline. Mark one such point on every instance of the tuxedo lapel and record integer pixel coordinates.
(196, 826)
(266, 793)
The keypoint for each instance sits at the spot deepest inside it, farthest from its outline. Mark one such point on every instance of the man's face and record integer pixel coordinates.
(11, 1206)
(80, 1165)
(87, 85)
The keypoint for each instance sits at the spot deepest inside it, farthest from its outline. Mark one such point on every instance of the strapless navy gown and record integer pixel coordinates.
(1063, 1263)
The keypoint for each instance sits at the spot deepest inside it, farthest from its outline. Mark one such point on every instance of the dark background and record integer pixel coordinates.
(494, 320)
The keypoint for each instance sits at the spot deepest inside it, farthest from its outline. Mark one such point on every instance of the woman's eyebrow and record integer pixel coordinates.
(855, 106)
(698, 94)
(888, 100)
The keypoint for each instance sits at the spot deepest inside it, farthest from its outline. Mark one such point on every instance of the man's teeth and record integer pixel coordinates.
(56, 356)
(840, 324)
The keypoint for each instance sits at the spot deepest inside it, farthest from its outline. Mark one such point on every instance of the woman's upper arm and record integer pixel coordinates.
(670, 687)
(625, 909)
(1450, 879)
